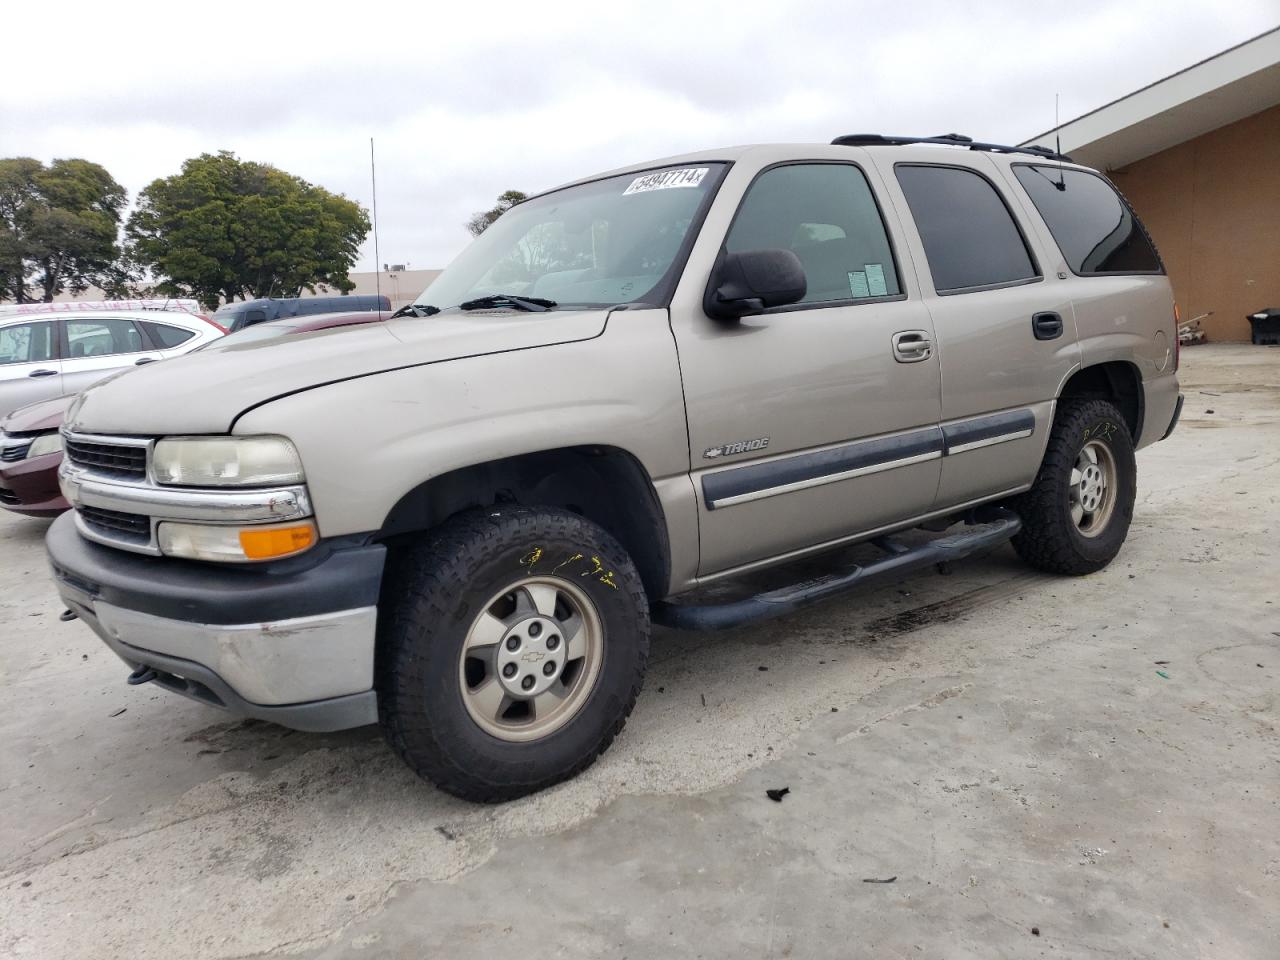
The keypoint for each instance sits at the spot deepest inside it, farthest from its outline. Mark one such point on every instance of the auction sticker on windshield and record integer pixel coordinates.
(666, 180)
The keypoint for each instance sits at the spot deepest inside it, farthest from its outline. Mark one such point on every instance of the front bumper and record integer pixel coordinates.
(291, 642)
(31, 486)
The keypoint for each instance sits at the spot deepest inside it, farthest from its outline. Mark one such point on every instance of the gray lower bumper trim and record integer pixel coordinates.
(197, 682)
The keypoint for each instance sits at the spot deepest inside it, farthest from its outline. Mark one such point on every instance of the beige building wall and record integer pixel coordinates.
(1212, 204)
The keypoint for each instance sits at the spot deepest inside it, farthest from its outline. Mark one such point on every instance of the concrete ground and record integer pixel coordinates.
(1042, 767)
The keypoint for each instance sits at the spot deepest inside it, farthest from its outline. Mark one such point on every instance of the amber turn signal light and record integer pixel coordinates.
(272, 542)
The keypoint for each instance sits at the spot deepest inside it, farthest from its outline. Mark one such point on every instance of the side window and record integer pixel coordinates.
(102, 337)
(1096, 230)
(969, 235)
(825, 213)
(27, 343)
(167, 336)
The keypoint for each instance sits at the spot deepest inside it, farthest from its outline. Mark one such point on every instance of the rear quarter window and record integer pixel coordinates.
(167, 336)
(1096, 230)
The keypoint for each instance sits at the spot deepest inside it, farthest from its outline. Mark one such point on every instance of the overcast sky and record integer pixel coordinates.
(467, 99)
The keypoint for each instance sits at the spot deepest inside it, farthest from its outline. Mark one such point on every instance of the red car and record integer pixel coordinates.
(31, 446)
(30, 452)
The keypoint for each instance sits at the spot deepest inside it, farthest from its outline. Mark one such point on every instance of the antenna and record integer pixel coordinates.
(1057, 145)
(377, 259)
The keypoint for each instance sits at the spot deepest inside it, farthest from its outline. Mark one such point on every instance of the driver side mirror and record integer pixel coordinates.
(748, 282)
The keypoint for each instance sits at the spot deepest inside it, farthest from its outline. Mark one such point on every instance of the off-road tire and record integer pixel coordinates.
(435, 590)
(1050, 538)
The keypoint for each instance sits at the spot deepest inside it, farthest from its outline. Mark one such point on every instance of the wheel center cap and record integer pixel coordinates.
(531, 657)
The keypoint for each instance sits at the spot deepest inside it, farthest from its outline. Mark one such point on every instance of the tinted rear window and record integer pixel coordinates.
(1095, 229)
(165, 335)
(969, 236)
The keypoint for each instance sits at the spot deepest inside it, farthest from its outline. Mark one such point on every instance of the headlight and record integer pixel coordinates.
(45, 443)
(199, 541)
(226, 461)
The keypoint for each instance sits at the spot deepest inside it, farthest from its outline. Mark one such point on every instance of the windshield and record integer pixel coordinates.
(597, 244)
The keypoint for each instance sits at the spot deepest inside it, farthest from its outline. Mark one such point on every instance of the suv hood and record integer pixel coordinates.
(204, 391)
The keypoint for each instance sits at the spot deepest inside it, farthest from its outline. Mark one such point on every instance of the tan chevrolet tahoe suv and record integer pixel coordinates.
(460, 523)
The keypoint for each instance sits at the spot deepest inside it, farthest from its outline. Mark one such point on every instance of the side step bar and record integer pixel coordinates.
(1000, 525)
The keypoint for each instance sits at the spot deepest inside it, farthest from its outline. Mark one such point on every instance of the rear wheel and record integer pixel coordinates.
(1076, 515)
(513, 650)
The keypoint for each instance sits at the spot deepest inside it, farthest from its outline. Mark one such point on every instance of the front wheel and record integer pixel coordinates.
(1076, 515)
(513, 650)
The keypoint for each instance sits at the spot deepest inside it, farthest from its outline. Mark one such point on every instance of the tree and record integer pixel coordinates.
(58, 228)
(231, 228)
(481, 221)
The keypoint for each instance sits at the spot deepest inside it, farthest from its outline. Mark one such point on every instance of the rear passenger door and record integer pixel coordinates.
(1006, 333)
(810, 422)
(97, 346)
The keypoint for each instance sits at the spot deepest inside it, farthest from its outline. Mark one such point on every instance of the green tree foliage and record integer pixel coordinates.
(231, 228)
(480, 222)
(58, 228)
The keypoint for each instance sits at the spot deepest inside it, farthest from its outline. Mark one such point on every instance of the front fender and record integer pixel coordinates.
(367, 442)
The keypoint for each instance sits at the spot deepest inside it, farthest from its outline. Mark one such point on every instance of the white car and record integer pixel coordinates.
(52, 354)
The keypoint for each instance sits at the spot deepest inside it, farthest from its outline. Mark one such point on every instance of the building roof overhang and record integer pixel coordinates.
(1229, 86)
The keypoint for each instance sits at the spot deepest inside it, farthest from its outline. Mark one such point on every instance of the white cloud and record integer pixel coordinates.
(467, 100)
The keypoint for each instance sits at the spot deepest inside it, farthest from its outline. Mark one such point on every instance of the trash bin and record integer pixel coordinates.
(1266, 325)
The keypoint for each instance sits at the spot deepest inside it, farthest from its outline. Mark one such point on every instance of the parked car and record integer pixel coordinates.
(303, 324)
(30, 454)
(31, 446)
(241, 314)
(459, 524)
(56, 354)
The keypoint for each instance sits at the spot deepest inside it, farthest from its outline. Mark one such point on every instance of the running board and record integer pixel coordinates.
(1000, 525)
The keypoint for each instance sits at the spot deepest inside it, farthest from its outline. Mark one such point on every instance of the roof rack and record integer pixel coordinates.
(946, 140)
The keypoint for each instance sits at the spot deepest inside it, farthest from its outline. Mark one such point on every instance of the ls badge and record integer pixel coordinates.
(729, 449)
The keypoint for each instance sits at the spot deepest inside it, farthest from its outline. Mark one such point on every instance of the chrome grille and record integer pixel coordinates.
(132, 527)
(112, 459)
(14, 450)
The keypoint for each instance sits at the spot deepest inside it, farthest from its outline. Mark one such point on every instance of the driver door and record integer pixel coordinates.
(817, 421)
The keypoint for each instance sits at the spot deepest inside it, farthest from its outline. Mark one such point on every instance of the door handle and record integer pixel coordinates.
(138, 363)
(1047, 325)
(43, 373)
(912, 346)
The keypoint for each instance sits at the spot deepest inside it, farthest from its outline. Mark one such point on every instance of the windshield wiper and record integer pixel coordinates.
(415, 310)
(533, 304)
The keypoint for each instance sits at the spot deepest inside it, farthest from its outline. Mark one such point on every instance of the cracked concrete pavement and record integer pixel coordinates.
(997, 741)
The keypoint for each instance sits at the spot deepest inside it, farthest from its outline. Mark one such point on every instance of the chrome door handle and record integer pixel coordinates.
(912, 346)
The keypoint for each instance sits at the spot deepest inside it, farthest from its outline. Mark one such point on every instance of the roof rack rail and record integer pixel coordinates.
(946, 140)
